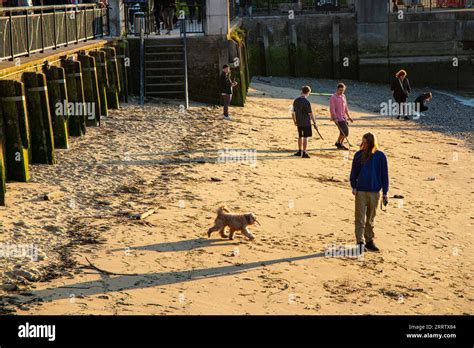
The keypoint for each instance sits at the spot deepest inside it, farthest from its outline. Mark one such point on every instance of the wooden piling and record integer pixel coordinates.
(91, 88)
(58, 105)
(113, 88)
(122, 57)
(102, 79)
(15, 134)
(3, 186)
(75, 93)
(41, 129)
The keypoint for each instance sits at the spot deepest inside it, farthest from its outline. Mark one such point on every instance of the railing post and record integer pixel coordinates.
(12, 51)
(54, 27)
(27, 34)
(42, 29)
(75, 21)
(65, 25)
(185, 48)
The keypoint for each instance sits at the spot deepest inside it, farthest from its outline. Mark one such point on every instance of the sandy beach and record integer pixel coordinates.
(166, 159)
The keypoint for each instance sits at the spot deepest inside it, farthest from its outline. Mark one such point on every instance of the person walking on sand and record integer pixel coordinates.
(400, 88)
(302, 116)
(225, 85)
(369, 175)
(340, 114)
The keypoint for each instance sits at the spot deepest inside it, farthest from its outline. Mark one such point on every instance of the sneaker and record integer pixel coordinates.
(305, 155)
(370, 246)
(406, 118)
(226, 117)
(338, 145)
(343, 148)
(297, 153)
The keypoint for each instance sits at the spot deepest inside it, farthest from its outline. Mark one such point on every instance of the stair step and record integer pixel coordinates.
(164, 69)
(165, 84)
(164, 76)
(163, 46)
(167, 92)
(162, 53)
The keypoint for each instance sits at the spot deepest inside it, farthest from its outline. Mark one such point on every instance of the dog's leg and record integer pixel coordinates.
(222, 232)
(247, 233)
(218, 226)
(231, 233)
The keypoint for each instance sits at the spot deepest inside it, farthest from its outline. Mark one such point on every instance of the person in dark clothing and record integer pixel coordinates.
(158, 13)
(369, 175)
(225, 85)
(169, 8)
(421, 101)
(401, 90)
(302, 116)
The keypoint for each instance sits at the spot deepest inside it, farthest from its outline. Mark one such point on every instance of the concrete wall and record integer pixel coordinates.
(376, 42)
(305, 46)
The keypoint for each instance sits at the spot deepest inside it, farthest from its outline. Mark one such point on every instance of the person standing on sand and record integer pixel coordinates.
(340, 114)
(225, 85)
(302, 115)
(400, 90)
(369, 175)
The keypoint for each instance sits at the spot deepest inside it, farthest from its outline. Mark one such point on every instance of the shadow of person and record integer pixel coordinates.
(146, 280)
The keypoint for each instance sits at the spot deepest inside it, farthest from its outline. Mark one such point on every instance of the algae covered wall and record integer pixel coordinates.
(318, 45)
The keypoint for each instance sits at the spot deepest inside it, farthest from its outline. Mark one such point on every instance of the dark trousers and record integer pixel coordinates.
(226, 99)
(168, 14)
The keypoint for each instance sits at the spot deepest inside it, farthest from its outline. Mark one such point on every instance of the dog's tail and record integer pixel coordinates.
(222, 209)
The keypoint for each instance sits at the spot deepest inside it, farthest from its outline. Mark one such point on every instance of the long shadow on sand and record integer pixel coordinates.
(146, 280)
(183, 245)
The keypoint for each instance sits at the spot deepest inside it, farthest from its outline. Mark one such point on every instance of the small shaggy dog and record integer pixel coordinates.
(235, 223)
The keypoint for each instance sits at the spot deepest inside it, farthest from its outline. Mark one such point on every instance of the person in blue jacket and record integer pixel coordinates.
(369, 175)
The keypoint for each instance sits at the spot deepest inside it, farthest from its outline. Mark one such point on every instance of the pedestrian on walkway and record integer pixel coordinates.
(158, 13)
(169, 9)
(401, 90)
(225, 85)
(369, 175)
(340, 114)
(302, 116)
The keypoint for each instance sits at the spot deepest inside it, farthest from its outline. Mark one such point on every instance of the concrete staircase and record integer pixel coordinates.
(164, 68)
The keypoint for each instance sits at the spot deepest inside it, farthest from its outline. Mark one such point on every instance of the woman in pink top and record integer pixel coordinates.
(340, 114)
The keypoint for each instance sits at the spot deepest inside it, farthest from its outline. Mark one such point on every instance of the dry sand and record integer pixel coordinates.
(158, 158)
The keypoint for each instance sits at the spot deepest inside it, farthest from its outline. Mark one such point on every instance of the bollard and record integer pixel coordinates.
(102, 79)
(41, 129)
(75, 93)
(123, 61)
(58, 105)
(113, 88)
(91, 89)
(3, 186)
(15, 137)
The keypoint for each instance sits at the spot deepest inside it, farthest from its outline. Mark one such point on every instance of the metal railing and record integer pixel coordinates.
(27, 30)
(192, 10)
(244, 8)
(429, 5)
